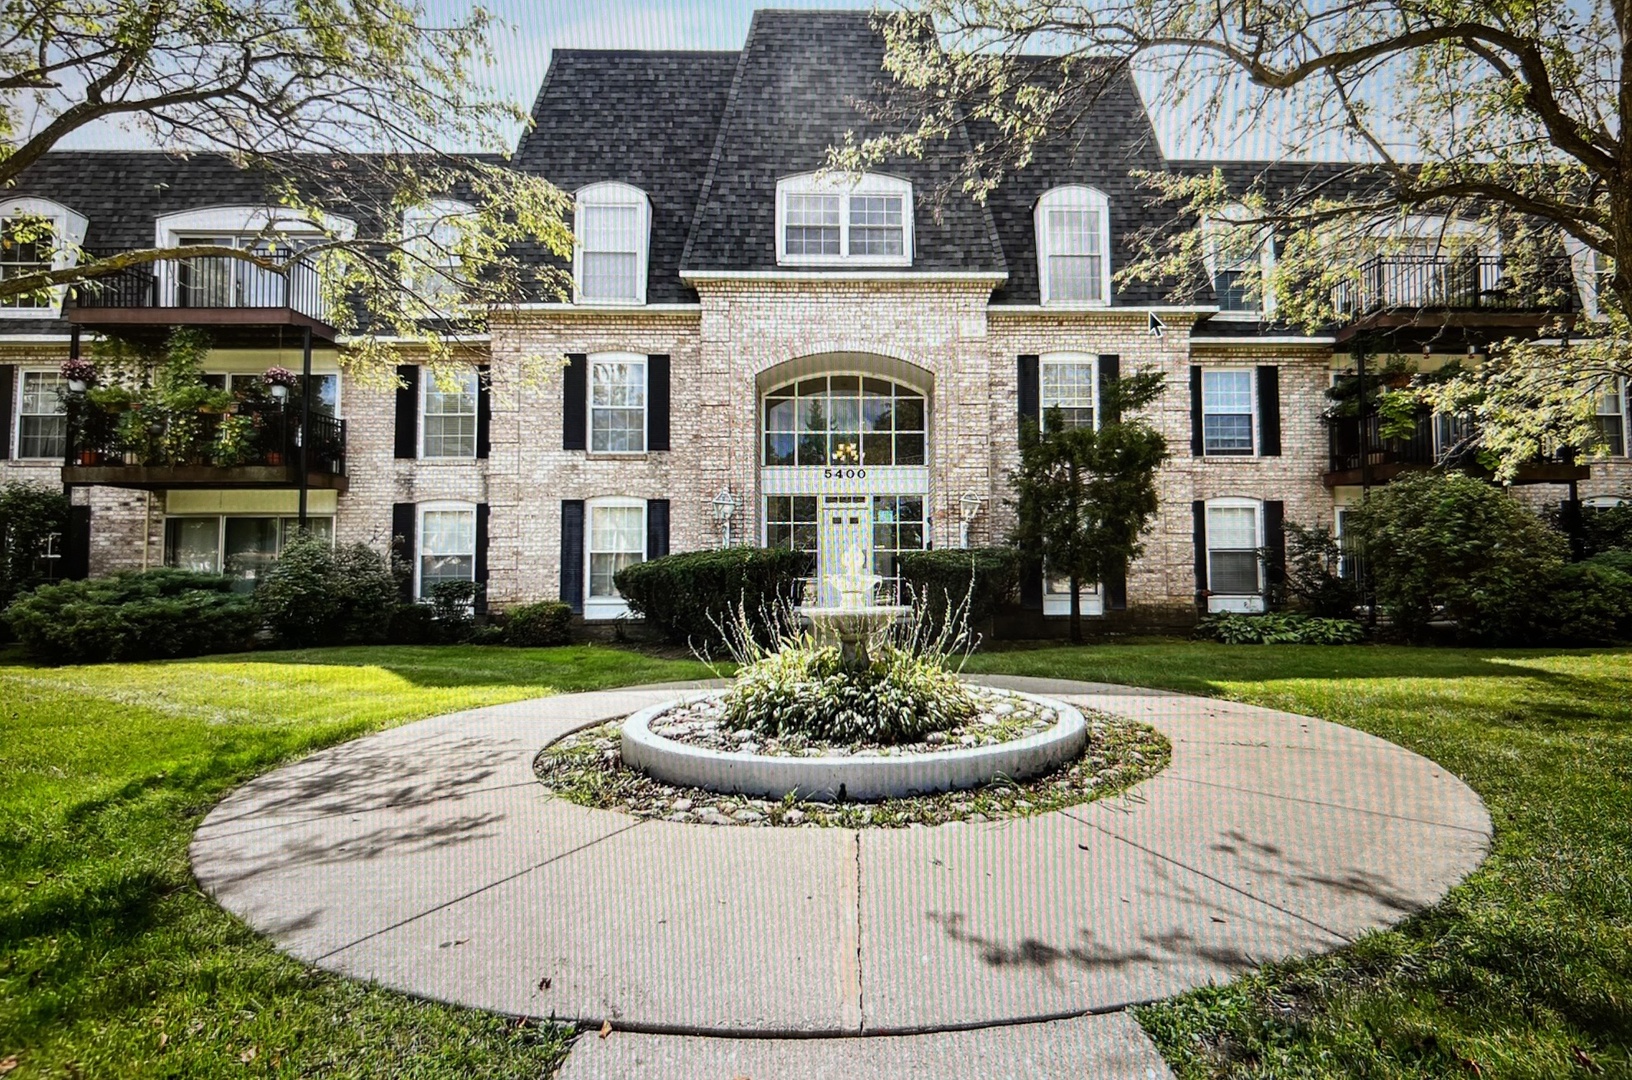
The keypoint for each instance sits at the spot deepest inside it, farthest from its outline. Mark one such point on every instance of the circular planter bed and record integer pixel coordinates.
(837, 774)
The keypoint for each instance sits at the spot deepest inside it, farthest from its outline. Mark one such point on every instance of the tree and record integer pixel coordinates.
(30, 515)
(346, 108)
(1512, 118)
(1083, 495)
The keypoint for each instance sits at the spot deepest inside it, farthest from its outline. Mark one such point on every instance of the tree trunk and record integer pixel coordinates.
(1076, 611)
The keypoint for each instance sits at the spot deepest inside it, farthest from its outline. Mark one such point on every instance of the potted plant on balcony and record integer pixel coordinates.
(234, 441)
(134, 435)
(80, 375)
(280, 380)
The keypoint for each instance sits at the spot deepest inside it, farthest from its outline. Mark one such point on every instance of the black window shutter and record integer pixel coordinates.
(575, 406)
(1197, 446)
(657, 528)
(1031, 585)
(657, 402)
(1274, 544)
(407, 411)
(572, 553)
(1116, 589)
(1030, 397)
(1269, 411)
(1110, 370)
(480, 574)
(76, 544)
(1198, 510)
(404, 542)
(8, 394)
(484, 409)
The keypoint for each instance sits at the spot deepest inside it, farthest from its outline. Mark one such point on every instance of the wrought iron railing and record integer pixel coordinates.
(1433, 439)
(253, 433)
(1465, 282)
(209, 282)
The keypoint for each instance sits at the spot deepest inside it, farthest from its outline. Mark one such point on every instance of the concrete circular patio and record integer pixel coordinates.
(428, 858)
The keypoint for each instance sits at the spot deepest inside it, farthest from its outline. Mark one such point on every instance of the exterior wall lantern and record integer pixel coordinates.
(725, 508)
(968, 507)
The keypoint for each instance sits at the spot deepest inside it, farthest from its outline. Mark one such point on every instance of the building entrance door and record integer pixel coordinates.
(845, 543)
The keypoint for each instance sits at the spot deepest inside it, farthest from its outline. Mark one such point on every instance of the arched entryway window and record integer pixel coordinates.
(845, 420)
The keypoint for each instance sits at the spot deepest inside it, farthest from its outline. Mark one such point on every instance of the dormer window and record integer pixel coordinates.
(1073, 261)
(1239, 259)
(431, 239)
(37, 235)
(613, 223)
(837, 220)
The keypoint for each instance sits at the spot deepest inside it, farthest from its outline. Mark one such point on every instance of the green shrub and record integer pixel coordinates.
(29, 515)
(453, 610)
(1445, 545)
(411, 624)
(1612, 559)
(688, 597)
(134, 616)
(1588, 603)
(943, 578)
(1231, 628)
(533, 625)
(1606, 528)
(488, 634)
(1309, 574)
(317, 594)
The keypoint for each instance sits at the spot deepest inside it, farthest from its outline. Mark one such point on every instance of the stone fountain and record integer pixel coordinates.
(857, 617)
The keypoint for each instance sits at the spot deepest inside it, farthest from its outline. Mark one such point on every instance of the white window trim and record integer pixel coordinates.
(1248, 603)
(68, 232)
(1602, 502)
(607, 607)
(339, 382)
(1073, 196)
(1257, 423)
(242, 222)
(417, 225)
(1091, 600)
(426, 380)
(844, 186)
(1622, 385)
(1266, 265)
(1584, 267)
(420, 509)
(1091, 359)
(613, 193)
(16, 433)
(589, 404)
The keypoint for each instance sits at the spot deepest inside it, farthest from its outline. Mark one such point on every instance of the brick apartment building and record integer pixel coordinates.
(753, 355)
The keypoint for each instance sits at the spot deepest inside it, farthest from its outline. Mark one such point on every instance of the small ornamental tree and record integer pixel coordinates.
(30, 514)
(1083, 495)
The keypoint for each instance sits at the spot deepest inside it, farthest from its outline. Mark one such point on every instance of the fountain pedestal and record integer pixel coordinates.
(855, 619)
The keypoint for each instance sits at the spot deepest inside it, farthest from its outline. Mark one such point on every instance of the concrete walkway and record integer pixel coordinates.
(427, 858)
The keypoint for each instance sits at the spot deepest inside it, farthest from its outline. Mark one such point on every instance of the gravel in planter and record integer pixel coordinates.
(587, 768)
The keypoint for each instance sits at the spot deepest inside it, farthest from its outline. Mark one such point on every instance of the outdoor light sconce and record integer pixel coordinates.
(725, 508)
(968, 507)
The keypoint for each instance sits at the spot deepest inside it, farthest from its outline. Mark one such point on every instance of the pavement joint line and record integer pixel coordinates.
(861, 975)
(1346, 939)
(1172, 775)
(477, 892)
(219, 831)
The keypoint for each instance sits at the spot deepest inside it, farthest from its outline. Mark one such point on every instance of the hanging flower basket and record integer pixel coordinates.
(280, 381)
(79, 373)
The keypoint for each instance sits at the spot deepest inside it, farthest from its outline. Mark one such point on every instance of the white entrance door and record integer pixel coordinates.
(846, 544)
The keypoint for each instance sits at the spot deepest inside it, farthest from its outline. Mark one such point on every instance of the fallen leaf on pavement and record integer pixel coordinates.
(606, 1028)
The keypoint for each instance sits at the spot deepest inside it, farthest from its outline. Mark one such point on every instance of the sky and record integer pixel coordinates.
(530, 30)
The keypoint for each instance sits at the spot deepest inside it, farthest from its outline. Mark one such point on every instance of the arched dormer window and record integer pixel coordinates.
(37, 235)
(843, 220)
(1073, 247)
(224, 281)
(431, 239)
(1240, 258)
(613, 224)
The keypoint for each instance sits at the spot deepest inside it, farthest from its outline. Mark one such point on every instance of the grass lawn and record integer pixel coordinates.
(113, 964)
(1523, 971)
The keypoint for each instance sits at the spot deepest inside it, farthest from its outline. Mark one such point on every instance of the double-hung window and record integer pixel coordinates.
(617, 538)
(876, 225)
(449, 416)
(832, 220)
(613, 227)
(1611, 419)
(813, 225)
(37, 235)
(433, 236)
(1068, 385)
(42, 423)
(1227, 412)
(1072, 249)
(1234, 568)
(447, 546)
(1239, 260)
(617, 404)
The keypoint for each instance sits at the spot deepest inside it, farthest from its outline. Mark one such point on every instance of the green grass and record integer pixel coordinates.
(113, 964)
(1523, 971)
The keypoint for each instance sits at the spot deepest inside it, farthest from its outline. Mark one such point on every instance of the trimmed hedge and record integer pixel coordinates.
(684, 596)
(317, 594)
(1588, 603)
(1231, 628)
(134, 616)
(534, 625)
(989, 577)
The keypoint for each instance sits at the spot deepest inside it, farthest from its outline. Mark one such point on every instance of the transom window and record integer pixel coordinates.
(1226, 411)
(613, 227)
(1068, 385)
(449, 416)
(447, 546)
(617, 538)
(42, 423)
(617, 403)
(844, 420)
(1233, 565)
(838, 219)
(1072, 250)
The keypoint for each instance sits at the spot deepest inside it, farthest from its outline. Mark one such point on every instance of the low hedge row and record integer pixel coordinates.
(689, 597)
(134, 616)
(943, 579)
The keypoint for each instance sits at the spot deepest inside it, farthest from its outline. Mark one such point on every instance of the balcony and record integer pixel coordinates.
(1393, 292)
(254, 445)
(237, 301)
(1361, 454)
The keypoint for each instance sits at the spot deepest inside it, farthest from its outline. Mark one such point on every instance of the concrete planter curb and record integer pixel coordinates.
(825, 779)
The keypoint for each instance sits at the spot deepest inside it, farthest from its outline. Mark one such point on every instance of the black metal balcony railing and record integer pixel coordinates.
(1455, 283)
(1435, 439)
(261, 435)
(208, 282)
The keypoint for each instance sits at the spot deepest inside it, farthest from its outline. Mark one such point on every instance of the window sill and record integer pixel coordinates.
(444, 460)
(598, 609)
(1240, 605)
(617, 455)
(1245, 458)
(1058, 604)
